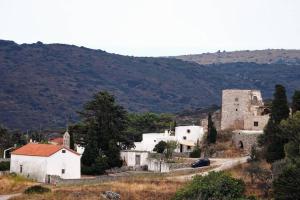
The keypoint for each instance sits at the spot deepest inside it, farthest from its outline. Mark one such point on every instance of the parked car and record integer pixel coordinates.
(201, 163)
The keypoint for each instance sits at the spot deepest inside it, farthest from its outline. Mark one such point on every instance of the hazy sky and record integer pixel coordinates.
(154, 27)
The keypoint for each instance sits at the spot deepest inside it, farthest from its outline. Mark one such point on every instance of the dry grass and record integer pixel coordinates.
(137, 189)
(240, 172)
(14, 184)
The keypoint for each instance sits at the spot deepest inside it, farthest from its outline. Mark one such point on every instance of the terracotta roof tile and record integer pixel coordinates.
(44, 150)
(58, 140)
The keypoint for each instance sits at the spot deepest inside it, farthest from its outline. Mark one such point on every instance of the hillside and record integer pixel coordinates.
(40, 85)
(270, 56)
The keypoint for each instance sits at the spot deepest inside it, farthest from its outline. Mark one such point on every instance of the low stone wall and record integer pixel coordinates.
(4, 159)
(155, 165)
(56, 180)
(245, 141)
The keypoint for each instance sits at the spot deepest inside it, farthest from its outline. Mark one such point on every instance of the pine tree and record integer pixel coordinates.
(274, 140)
(211, 131)
(296, 102)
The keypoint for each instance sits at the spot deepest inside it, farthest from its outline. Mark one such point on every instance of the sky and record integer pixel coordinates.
(154, 27)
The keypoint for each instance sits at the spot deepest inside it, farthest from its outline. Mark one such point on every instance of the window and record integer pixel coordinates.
(188, 131)
(63, 171)
(154, 140)
(63, 151)
(255, 123)
(184, 137)
(21, 168)
(236, 99)
(188, 148)
(236, 109)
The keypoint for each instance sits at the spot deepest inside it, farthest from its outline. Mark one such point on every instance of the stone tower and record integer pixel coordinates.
(66, 139)
(243, 109)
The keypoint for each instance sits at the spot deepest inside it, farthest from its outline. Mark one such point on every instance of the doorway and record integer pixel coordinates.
(137, 159)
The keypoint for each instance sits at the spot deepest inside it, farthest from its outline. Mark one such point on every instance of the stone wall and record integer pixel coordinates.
(240, 108)
(245, 139)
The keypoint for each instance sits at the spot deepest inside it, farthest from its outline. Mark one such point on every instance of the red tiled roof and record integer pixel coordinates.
(44, 150)
(58, 140)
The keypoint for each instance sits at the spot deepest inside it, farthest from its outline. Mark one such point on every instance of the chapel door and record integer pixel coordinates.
(137, 159)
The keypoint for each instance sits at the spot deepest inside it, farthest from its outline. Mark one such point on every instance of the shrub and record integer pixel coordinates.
(216, 185)
(287, 185)
(160, 147)
(99, 167)
(4, 166)
(36, 189)
(196, 153)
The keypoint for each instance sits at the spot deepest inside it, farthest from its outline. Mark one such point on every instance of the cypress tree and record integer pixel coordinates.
(211, 131)
(296, 102)
(274, 140)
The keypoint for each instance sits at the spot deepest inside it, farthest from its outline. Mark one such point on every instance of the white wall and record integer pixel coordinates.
(34, 167)
(68, 161)
(192, 133)
(130, 156)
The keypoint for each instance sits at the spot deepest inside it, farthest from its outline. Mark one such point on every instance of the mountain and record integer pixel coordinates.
(44, 84)
(269, 56)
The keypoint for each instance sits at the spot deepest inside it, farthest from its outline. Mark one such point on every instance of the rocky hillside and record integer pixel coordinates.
(40, 85)
(270, 56)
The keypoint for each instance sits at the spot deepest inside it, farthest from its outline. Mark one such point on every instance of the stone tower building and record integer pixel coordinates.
(243, 110)
(66, 139)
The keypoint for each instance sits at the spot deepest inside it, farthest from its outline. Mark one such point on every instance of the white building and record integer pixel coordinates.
(186, 136)
(134, 158)
(40, 161)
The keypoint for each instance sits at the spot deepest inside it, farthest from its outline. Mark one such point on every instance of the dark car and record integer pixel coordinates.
(201, 163)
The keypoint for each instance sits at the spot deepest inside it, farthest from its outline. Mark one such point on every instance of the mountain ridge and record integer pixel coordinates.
(44, 84)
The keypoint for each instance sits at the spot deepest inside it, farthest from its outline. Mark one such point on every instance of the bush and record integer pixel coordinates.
(216, 185)
(160, 147)
(4, 166)
(196, 153)
(99, 167)
(287, 185)
(37, 189)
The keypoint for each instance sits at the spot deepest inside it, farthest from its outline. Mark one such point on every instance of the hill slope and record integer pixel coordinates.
(42, 84)
(270, 56)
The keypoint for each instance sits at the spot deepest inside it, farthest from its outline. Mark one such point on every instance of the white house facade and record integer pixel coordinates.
(186, 136)
(40, 161)
(134, 158)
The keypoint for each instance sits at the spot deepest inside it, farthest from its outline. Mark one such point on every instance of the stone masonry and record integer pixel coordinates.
(243, 110)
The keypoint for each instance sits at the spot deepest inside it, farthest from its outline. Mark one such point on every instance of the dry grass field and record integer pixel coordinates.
(13, 184)
(135, 189)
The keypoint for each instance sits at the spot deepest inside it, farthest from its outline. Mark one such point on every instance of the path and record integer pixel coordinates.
(221, 163)
(8, 196)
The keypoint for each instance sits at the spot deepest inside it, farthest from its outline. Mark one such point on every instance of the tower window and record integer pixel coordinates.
(184, 137)
(236, 109)
(255, 124)
(21, 168)
(63, 151)
(63, 171)
(188, 131)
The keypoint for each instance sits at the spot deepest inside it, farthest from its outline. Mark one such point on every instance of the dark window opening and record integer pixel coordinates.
(63, 151)
(188, 131)
(255, 123)
(21, 168)
(184, 137)
(241, 145)
(236, 109)
(63, 171)
(188, 148)
(154, 140)
(236, 99)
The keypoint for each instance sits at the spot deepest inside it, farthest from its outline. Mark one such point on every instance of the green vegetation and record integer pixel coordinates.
(4, 166)
(296, 102)
(196, 153)
(37, 189)
(171, 146)
(160, 147)
(105, 123)
(273, 140)
(216, 185)
(211, 131)
(148, 122)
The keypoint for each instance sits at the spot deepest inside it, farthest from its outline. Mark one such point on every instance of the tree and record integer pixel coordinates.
(106, 123)
(287, 185)
(211, 131)
(171, 146)
(296, 102)
(215, 185)
(273, 139)
(196, 153)
(160, 147)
